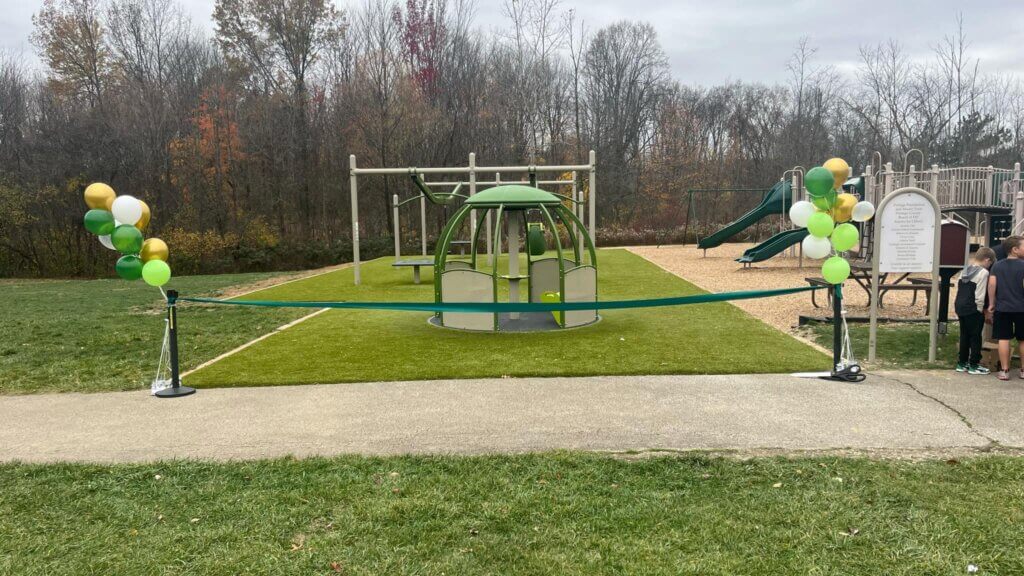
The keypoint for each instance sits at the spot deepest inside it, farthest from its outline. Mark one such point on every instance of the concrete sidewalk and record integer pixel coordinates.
(935, 412)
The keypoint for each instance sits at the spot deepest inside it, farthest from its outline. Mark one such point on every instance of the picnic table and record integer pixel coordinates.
(415, 264)
(860, 271)
(861, 274)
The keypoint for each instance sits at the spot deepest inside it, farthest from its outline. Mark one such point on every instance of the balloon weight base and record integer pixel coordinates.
(851, 373)
(175, 391)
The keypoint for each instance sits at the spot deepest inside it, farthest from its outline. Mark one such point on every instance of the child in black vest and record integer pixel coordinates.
(971, 303)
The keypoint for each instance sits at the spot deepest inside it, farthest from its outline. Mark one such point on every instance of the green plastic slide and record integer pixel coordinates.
(777, 201)
(773, 245)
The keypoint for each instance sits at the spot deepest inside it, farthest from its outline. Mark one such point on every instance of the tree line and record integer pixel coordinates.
(240, 141)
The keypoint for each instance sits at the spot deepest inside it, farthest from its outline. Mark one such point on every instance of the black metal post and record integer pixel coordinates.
(945, 283)
(837, 327)
(176, 388)
(842, 372)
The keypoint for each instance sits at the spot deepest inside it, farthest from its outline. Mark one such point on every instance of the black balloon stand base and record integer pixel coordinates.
(851, 373)
(175, 392)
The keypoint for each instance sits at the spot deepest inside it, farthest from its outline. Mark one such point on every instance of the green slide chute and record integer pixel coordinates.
(777, 201)
(773, 245)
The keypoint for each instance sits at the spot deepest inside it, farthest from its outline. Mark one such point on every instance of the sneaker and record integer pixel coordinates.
(976, 369)
(961, 367)
(1002, 375)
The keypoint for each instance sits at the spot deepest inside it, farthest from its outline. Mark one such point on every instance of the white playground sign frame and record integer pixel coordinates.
(908, 229)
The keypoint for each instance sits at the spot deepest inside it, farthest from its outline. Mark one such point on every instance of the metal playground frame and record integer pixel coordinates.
(586, 209)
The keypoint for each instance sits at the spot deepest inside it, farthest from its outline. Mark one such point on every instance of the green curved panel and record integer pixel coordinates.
(512, 195)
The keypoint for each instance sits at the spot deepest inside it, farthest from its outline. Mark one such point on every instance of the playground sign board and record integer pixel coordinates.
(906, 239)
(907, 235)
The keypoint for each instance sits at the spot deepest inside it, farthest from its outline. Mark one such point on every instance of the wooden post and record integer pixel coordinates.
(592, 201)
(472, 191)
(354, 196)
(423, 223)
(577, 209)
(397, 226)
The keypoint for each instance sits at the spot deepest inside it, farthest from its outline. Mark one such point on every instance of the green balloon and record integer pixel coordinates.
(835, 270)
(156, 273)
(819, 181)
(844, 237)
(129, 267)
(820, 224)
(825, 202)
(99, 222)
(127, 239)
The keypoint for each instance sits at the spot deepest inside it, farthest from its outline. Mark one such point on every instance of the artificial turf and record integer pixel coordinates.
(359, 346)
(100, 335)
(562, 513)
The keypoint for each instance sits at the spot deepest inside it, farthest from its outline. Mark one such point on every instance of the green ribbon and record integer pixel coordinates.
(505, 307)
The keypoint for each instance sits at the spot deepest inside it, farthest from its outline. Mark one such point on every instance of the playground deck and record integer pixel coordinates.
(718, 272)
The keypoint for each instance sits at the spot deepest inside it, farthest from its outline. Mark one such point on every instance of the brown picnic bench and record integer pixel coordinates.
(914, 285)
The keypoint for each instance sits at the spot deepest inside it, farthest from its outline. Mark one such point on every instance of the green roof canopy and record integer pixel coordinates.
(512, 195)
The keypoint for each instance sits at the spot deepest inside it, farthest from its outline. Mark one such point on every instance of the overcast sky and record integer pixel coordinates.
(715, 41)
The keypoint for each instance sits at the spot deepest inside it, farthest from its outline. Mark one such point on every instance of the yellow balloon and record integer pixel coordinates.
(144, 219)
(840, 170)
(99, 196)
(842, 210)
(154, 249)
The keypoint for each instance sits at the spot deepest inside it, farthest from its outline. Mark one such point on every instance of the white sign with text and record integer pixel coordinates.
(907, 239)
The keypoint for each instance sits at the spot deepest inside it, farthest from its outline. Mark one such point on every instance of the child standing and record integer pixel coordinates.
(970, 306)
(1006, 302)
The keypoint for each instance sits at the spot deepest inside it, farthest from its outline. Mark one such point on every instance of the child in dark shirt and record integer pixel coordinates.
(970, 305)
(1006, 302)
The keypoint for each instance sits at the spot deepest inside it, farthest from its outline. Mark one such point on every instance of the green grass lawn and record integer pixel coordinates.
(357, 346)
(538, 514)
(97, 335)
(899, 345)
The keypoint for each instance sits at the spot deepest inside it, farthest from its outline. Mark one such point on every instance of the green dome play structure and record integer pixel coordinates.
(543, 221)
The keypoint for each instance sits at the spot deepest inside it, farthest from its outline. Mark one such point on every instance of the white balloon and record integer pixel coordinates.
(863, 211)
(105, 240)
(816, 248)
(799, 212)
(126, 209)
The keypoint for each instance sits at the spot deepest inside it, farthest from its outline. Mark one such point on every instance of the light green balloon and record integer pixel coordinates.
(825, 202)
(820, 224)
(835, 270)
(156, 273)
(844, 237)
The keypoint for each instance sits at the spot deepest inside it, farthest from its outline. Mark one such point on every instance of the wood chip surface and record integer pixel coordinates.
(719, 272)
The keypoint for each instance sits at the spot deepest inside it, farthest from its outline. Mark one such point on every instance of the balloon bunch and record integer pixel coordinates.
(827, 218)
(119, 221)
